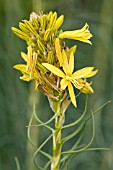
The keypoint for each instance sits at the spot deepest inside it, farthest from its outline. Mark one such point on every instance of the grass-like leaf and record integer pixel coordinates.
(81, 117)
(31, 142)
(94, 112)
(84, 148)
(45, 123)
(38, 120)
(65, 157)
(74, 133)
(17, 163)
(38, 150)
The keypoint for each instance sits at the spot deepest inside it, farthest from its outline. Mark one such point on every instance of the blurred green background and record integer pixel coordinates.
(16, 96)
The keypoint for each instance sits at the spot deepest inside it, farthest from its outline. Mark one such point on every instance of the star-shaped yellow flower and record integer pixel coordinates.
(69, 78)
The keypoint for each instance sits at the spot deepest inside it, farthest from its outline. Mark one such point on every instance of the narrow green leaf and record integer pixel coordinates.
(74, 133)
(95, 149)
(84, 148)
(63, 160)
(38, 120)
(81, 117)
(94, 112)
(38, 149)
(47, 164)
(31, 141)
(45, 123)
(28, 132)
(17, 163)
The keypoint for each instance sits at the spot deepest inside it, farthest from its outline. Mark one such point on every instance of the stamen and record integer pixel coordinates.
(29, 58)
(33, 64)
(67, 77)
(77, 84)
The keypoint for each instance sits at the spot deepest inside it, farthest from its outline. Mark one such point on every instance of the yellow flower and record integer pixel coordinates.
(26, 74)
(81, 35)
(29, 70)
(69, 78)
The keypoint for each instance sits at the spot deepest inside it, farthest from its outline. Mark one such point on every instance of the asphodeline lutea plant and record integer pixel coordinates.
(50, 63)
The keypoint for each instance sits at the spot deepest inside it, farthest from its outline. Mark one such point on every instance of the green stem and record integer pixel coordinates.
(57, 142)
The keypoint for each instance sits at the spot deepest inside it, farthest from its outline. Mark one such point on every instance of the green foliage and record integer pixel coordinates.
(77, 148)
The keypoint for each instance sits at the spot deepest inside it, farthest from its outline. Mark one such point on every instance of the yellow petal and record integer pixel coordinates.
(71, 59)
(21, 67)
(81, 35)
(77, 84)
(29, 57)
(82, 72)
(25, 77)
(54, 70)
(87, 88)
(72, 95)
(72, 49)
(83, 29)
(91, 74)
(24, 56)
(33, 67)
(58, 51)
(65, 62)
(59, 22)
(63, 84)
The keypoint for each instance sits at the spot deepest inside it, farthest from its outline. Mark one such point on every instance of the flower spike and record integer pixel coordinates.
(48, 60)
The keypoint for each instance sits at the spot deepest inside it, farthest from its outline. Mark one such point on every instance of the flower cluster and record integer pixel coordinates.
(48, 60)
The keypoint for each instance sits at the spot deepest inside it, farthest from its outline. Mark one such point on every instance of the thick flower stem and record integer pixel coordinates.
(57, 142)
